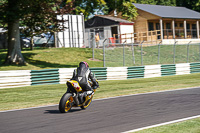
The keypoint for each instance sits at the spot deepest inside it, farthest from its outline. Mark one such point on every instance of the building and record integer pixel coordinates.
(115, 30)
(169, 23)
(73, 34)
(165, 24)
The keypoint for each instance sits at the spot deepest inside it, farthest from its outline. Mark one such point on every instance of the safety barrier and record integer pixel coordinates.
(46, 76)
(65, 74)
(100, 73)
(9, 79)
(21, 78)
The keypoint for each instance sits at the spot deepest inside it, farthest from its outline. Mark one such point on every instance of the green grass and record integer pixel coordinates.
(23, 97)
(114, 56)
(49, 58)
(190, 126)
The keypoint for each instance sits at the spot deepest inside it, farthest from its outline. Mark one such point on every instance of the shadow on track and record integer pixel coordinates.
(58, 112)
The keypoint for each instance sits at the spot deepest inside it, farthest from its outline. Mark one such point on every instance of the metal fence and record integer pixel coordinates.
(116, 54)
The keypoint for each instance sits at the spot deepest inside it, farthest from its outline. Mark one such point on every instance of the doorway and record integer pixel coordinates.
(114, 31)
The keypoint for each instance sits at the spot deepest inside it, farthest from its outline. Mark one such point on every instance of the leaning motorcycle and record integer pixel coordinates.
(75, 97)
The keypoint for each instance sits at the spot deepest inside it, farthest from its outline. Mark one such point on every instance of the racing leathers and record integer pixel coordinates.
(82, 74)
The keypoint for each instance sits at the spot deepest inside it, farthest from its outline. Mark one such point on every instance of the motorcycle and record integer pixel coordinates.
(75, 97)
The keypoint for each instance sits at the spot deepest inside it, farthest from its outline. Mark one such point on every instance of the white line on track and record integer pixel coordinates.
(105, 98)
(161, 124)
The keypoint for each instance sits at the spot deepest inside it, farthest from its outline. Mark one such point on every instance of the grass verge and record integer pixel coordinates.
(39, 95)
(190, 126)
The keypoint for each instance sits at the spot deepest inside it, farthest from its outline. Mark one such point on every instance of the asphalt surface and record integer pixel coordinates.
(106, 116)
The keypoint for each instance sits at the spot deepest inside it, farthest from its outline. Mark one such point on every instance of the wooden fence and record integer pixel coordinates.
(148, 37)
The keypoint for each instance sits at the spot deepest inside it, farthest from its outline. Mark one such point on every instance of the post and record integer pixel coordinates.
(141, 54)
(156, 36)
(64, 39)
(133, 54)
(173, 29)
(93, 42)
(124, 53)
(104, 63)
(159, 53)
(83, 28)
(77, 31)
(125, 37)
(161, 29)
(93, 50)
(72, 31)
(185, 29)
(89, 39)
(197, 29)
(69, 33)
(174, 52)
(151, 37)
(55, 39)
(63, 32)
(188, 52)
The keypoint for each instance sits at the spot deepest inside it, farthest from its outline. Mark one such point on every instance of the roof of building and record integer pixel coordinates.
(105, 20)
(169, 11)
(115, 19)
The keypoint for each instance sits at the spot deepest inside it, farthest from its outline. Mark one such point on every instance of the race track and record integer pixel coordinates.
(113, 115)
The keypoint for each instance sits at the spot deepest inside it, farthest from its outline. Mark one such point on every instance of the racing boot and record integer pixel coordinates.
(89, 92)
(81, 97)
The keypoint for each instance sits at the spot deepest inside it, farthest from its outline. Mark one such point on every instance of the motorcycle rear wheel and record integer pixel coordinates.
(86, 104)
(65, 103)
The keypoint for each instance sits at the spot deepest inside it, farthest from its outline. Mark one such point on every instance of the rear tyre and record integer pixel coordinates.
(65, 103)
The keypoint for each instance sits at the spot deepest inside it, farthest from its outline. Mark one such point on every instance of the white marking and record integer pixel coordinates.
(106, 98)
(161, 124)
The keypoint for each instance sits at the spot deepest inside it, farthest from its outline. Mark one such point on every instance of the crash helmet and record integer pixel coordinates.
(83, 62)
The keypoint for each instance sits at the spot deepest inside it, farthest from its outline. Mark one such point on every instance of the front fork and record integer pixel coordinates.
(77, 101)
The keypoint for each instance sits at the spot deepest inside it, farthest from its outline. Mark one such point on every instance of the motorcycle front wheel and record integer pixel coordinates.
(86, 104)
(65, 103)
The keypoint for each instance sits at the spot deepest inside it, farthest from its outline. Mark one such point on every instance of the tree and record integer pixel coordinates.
(90, 7)
(35, 15)
(158, 2)
(191, 4)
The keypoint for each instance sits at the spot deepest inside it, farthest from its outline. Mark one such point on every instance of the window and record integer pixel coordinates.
(168, 25)
(91, 30)
(157, 26)
(150, 26)
(181, 24)
(188, 26)
(176, 25)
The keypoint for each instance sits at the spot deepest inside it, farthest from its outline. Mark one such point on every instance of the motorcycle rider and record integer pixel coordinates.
(82, 74)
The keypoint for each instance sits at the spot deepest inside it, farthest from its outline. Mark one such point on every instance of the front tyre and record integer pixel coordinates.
(65, 103)
(87, 104)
